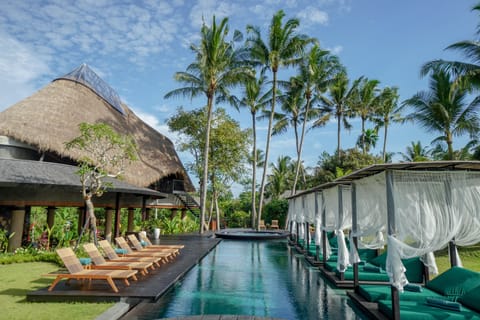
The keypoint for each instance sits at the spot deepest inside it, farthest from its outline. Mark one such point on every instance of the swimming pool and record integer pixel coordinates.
(261, 278)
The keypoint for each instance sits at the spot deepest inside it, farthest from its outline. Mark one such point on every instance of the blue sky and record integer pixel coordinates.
(137, 46)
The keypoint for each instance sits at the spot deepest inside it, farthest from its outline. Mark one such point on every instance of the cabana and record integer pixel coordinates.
(427, 206)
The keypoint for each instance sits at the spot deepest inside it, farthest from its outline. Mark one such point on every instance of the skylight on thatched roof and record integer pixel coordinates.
(86, 76)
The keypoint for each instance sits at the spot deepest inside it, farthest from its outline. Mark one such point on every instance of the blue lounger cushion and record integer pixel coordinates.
(444, 304)
(120, 251)
(85, 261)
(413, 287)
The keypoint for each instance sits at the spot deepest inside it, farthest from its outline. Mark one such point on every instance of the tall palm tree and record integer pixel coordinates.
(340, 93)
(364, 103)
(317, 71)
(387, 111)
(416, 153)
(283, 48)
(215, 70)
(255, 98)
(444, 109)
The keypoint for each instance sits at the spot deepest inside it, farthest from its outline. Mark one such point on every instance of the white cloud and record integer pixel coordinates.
(313, 16)
(336, 49)
(20, 68)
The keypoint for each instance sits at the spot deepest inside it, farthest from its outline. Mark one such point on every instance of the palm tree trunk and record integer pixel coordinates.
(339, 126)
(299, 154)
(203, 198)
(254, 171)
(449, 145)
(363, 135)
(384, 154)
(267, 149)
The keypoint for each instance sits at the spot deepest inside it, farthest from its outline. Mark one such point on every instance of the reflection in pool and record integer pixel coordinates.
(260, 278)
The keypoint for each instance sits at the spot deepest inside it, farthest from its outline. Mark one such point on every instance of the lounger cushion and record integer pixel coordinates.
(443, 303)
(120, 251)
(375, 293)
(471, 299)
(416, 310)
(413, 287)
(414, 267)
(455, 282)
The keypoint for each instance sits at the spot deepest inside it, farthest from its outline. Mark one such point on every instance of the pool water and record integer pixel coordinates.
(260, 278)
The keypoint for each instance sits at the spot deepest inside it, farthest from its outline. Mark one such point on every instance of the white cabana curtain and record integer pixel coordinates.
(291, 217)
(318, 219)
(339, 221)
(371, 212)
(427, 214)
(300, 204)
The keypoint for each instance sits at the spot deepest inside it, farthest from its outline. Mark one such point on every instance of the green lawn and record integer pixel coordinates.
(470, 258)
(19, 278)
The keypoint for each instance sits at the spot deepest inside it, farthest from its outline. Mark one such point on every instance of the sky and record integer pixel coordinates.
(137, 46)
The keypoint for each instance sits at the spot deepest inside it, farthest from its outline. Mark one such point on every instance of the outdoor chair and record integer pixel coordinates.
(76, 271)
(112, 255)
(138, 246)
(274, 225)
(122, 243)
(149, 244)
(261, 226)
(101, 263)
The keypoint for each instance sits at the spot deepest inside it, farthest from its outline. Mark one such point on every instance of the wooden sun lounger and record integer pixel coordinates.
(149, 243)
(76, 271)
(138, 246)
(112, 255)
(101, 263)
(148, 253)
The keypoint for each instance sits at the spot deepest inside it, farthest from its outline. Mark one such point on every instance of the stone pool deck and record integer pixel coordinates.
(147, 288)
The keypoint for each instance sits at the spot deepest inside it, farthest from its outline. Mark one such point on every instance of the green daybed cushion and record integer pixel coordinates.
(456, 281)
(373, 293)
(419, 310)
(364, 275)
(367, 254)
(471, 299)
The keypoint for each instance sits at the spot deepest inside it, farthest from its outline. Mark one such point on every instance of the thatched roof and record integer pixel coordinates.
(50, 117)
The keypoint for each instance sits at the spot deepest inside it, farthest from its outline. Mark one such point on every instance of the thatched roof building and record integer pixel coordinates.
(50, 117)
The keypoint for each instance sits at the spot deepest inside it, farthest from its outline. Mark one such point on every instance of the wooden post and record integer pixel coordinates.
(131, 220)
(16, 227)
(317, 248)
(340, 218)
(50, 216)
(108, 223)
(116, 221)
(324, 233)
(355, 238)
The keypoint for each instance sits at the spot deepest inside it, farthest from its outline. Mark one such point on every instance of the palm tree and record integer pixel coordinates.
(364, 103)
(416, 153)
(368, 139)
(443, 109)
(215, 70)
(284, 47)
(340, 93)
(317, 71)
(468, 73)
(387, 111)
(255, 99)
(280, 177)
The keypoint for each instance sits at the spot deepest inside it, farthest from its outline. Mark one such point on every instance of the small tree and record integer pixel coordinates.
(106, 153)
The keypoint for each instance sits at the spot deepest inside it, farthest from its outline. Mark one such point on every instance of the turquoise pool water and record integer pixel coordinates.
(261, 278)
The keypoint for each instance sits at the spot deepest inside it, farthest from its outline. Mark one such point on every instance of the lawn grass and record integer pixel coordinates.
(470, 257)
(19, 278)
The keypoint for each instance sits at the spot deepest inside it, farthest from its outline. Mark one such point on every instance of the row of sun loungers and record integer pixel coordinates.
(125, 267)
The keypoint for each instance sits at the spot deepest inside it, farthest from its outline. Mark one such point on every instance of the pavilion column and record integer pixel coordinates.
(51, 216)
(16, 227)
(173, 213)
(26, 225)
(108, 223)
(131, 220)
(118, 211)
(184, 213)
(149, 213)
